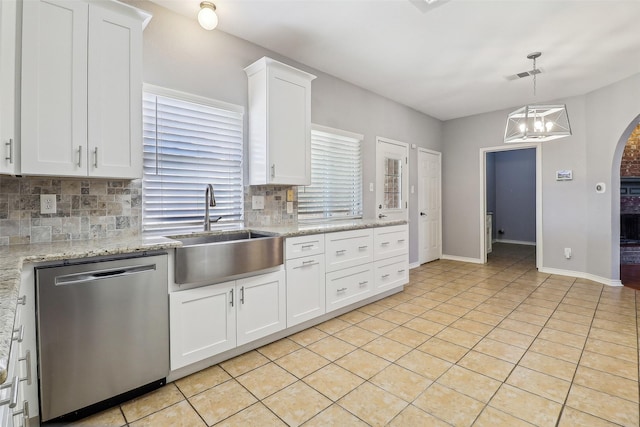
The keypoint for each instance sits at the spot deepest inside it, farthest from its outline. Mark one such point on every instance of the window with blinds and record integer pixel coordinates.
(190, 142)
(336, 176)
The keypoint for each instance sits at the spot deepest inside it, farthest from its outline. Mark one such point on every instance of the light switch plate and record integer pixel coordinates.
(289, 207)
(47, 203)
(371, 186)
(257, 202)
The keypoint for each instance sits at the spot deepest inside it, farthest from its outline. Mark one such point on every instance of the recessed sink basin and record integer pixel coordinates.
(213, 258)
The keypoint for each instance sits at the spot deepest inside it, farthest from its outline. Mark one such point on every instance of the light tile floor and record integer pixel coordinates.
(464, 344)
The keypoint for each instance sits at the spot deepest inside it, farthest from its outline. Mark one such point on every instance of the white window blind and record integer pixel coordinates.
(336, 176)
(190, 142)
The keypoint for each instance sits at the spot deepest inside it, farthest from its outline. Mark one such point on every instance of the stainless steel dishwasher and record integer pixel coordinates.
(103, 332)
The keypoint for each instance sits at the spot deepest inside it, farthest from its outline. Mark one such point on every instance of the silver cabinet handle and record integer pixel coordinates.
(95, 157)
(384, 276)
(20, 334)
(307, 246)
(363, 283)
(22, 300)
(25, 414)
(27, 359)
(13, 399)
(273, 170)
(242, 295)
(362, 247)
(341, 251)
(231, 292)
(401, 271)
(80, 156)
(341, 289)
(10, 145)
(400, 240)
(384, 243)
(311, 261)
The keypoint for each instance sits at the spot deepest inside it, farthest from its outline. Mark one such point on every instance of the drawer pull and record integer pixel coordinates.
(27, 359)
(242, 295)
(384, 243)
(10, 145)
(384, 276)
(342, 289)
(362, 247)
(400, 240)
(18, 334)
(306, 246)
(311, 261)
(231, 297)
(401, 271)
(13, 399)
(363, 283)
(25, 414)
(22, 300)
(341, 251)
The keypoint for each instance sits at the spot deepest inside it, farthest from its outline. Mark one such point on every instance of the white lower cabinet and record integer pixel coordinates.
(261, 306)
(391, 273)
(212, 319)
(203, 323)
(348, 286)
(305, 289)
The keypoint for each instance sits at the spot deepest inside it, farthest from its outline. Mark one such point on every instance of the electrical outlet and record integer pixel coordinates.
(47, 203)
(567, 253)
(257, 202)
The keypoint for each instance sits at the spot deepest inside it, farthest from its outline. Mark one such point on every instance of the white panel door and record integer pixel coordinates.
(115, 94)
(392, 179)
(203, 323)
(305, 289)
(54, 88)
(261, 306)
(429, 204)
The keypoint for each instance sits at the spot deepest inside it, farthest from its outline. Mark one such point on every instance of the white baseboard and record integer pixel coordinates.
(581, 275)
(414, 265)
(462, 258)
(515, 242)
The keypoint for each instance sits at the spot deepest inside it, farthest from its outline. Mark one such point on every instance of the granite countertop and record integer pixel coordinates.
(12, 258)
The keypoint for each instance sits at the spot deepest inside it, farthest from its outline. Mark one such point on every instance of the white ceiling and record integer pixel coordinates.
(451, 60)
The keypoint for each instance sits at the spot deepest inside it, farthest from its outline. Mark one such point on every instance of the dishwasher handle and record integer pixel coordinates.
(92, 276)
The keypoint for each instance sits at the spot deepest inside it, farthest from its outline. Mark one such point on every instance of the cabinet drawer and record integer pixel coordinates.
(296, 247)
(347, 286)
(391, 241)
(391, 273)
(348, 248)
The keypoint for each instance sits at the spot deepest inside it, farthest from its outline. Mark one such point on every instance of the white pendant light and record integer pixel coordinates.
(207, 15)
(537, 123)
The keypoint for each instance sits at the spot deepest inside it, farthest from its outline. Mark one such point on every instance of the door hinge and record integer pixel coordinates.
(406, 160)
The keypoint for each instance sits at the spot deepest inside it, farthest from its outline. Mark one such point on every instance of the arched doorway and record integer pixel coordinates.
(630, 211)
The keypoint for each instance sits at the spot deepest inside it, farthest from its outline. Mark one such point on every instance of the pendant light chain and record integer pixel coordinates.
(534, 76)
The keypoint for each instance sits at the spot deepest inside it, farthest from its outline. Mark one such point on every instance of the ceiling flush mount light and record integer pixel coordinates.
(537, 123)
(207, 16)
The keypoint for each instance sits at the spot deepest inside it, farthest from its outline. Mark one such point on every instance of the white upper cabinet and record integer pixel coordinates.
(8, 140)
(81, 89)
(279, 123)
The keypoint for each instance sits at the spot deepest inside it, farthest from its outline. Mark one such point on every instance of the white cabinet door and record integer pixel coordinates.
(114, 94)
(305, 289)
(261, 306)
(8, 148)
(279, 123)
(54, 88)
(203, 323)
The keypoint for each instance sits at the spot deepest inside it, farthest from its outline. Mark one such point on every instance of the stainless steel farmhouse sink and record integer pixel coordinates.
(212, 257)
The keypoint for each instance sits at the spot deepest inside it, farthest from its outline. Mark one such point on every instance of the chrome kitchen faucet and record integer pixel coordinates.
(209, 200)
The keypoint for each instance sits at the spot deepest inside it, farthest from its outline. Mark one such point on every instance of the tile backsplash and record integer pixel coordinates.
(86, 209)
(275, 206)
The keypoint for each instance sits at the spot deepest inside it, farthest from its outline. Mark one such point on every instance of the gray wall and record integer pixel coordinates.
(573, 215)
(515, 195)
(180, 55)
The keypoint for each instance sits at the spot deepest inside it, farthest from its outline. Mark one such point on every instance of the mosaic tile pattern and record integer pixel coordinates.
(86, 209)
(464, 344)
(275, 206)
